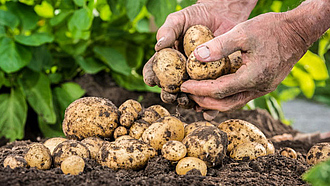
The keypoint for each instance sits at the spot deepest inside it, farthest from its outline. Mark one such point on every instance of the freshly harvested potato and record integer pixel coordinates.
(208, 144)
(73, 165)
(174, 150)
(288, 152)
(124, 137)
(69, 148)
(235, 61)
(90, 116)
(165, 129)
(195, 36)
(154, 112)
(188, 163)
(270, 148)
(169, 66)
(38, 156)
(318, 153)
(184, 101)
(51, 143)
(240, 131)
(129, 110)
(93, 144)
(193, 126)
(138, 128)
(14, 161)
(125, 154)
(120, 131)
(167, 97)
(250, 150)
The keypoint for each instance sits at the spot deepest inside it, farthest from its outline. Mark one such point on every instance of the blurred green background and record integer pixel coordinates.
(44, 44)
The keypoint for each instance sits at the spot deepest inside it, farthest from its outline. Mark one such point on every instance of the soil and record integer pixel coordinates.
(267, 170)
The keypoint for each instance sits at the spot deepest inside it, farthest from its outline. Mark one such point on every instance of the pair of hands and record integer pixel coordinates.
(269, 44)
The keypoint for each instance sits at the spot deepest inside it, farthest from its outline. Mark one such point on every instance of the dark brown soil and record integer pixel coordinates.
(268, 170)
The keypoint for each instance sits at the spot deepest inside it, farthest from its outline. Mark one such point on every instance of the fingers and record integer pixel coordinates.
(148, 73)
(209, 115)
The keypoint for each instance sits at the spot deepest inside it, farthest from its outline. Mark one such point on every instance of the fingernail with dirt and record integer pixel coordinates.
(203, 52)
(159, 42)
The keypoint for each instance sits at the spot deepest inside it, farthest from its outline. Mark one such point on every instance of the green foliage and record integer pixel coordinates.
(319, 175)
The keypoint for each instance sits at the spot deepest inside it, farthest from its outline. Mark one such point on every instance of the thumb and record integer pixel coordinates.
(220, 46)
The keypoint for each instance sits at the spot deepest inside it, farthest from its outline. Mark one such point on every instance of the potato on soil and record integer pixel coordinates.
(208, 144)
(174, 150)
(318, 153)
(188, 163)
(195, 36)
(93, 144)
(167, 97)
(73, 165)
(288, 152)
(14, 161)
(193, 126)
(165, 129)
(125, 154)
(120, 131)
(129, 111)
(270, 148)
(90, 116)
(169, 66)
(250, 150)
(38, 156)
(51, 143)
(240, 131)
(154, 112)
(138, 128)
(69, 148)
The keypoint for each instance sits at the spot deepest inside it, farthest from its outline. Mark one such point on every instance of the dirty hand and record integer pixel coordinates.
(270, 44)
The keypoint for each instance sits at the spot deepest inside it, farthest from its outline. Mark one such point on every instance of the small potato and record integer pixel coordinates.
(38, 156)
(73, 165)
(188, 163)
(129, 110)
(93, 144)
(174, 150)
(53, 142)
(167, 97)
(14, 161)
(250, 150)
(169, 66)
(90, 116)
(154, 112)
(125, 154)
(235, 61)
(120, 131)
(288, 152)
(138, 128)
(193, 126)
(318, 153)
(208, 144)
(69, 148)
(240, 131)
(270, 148)
(195, 36)
(165, 129)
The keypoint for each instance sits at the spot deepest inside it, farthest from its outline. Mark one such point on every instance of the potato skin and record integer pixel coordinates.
(235, 61)
(153, 113)
(38, 156)
(129, 111)
(73, 165)
(208, 144)
(270, 148)
(69, 148)
(93, 144)
(138, 128)
(195, 36)
(318, 153)
(288, 152)
(195, 125)
(51, 143)
(174, 150)
(250, 150)
(90, 116)
(120, 131)
(188, 163)
(14, 161)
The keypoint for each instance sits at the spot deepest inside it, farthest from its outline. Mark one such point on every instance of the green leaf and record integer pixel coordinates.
(314, 65)
(324, 43)
(133, 7)
(41, 59)
(133, 83)
(105, 13)
(161, 9)
(75, 49)
(8, 19)
(319, 174)
(290, 81)
(185, 3)
(289, 94)
(50, 131)
(134, 56)
(25, 13)
(79, 2)
(80, 20)
(306, 82)
(13, 56)
(38, 93)
(60, 17)
(90, 65)
(2, 31)
(2, 78)
(35, 39)
(142, 25)
(45, 10)
(73, 90)
(13, 109)
(114, 59)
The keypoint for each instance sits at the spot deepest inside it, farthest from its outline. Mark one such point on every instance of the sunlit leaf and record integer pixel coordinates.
(90, 65)
(45, 10)
(35, 39)
(81, 20)
(105, 13)
(60, 17)
(289, 94)
(133, 7)
(161, 9)
(79, 2)
(314, 65)
(8, 19)
(324, 43)
(290, 81)
(306, 82)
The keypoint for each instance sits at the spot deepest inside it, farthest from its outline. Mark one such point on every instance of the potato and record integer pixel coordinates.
(165, 129)
(318, 153)
(93, 144)
(193, 126)
(208, 144)
(90, 116)
(240, 131)
(250, 150)
(154, 112)
(270, 148)
(174, 150)
(69, 148)
(129, 110)
(235, 61)
(51, 143)
(195, 36)
(188, 163)
(73, 165)
(14, 161)
(288, 152)
(138, 128)
(120, 131)
(125, 154)
(169, 66)
(124, 137)
(167, 97)
(38, 156)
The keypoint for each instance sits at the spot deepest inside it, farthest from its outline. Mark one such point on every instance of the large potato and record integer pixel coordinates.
(125, 154)
(208, 144)
(240, 131)
(51, 143)
(250, 150)
(129, 111)
(69, 148)
(169, 66)
(193, 126)
(14, 161)
(93, 144)
(165, 129)
(154, 112)
(90, 116)
(38, 156)
(188, 163)
(318, 153)
(174, 150)
(195, 36)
